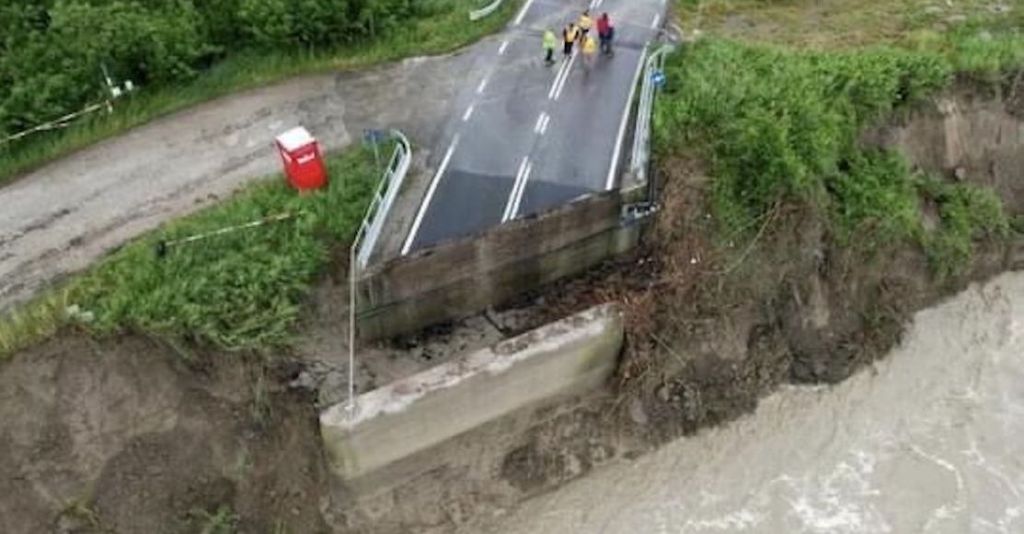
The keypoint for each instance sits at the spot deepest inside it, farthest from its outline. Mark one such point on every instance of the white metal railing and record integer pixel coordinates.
(642, 137)
(366, 239)
(383, 198)
(486, 10)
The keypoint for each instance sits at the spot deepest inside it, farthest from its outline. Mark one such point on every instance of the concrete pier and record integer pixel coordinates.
(570, 356)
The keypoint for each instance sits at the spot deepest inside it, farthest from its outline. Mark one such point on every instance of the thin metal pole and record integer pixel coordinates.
(352, 267)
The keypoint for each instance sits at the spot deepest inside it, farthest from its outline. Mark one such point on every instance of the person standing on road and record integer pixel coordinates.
(550, 41)
(605, 31)
(569, 35)
(589, 52)
(585, 23)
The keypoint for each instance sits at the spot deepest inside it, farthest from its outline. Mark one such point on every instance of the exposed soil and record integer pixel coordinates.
(126, 435)
(122, 436)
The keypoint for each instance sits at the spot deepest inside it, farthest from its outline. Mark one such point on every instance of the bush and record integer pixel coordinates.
(966, 213)
(874, 201)
(52, 51)
(57, 69)
(777, 124)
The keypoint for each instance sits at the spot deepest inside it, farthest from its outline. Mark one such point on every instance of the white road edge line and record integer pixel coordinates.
(468, 113)
(501, 49)
(483, 84)
(657, 19)
(561, 85)
(558, 76)
(522, 190)
(522, 12)
(544, 127)
(430, 195)
(617, 153)
(515, 190)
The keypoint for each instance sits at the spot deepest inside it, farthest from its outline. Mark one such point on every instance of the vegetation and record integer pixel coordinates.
(239, 290)
(834, 24)
(965, 211)
(782, 126)
(223, 521)
(52, 54)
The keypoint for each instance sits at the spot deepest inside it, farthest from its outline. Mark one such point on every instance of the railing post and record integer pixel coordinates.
(363, 243)
(353, 269)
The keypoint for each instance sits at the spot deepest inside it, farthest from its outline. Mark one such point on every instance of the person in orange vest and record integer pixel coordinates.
(569, 35)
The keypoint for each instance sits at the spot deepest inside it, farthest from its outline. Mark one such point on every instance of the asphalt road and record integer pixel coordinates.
(525, 136)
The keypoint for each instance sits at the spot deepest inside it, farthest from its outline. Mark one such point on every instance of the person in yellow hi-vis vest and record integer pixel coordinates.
(550, 42)
(589, 52)
(569, 35)
(584, 24)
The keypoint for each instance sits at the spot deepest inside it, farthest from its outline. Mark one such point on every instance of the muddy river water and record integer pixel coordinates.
(929, 440)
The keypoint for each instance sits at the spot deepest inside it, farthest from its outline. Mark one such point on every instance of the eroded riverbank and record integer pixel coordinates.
(929, 439)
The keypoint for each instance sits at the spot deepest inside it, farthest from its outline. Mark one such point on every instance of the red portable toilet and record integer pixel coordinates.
(303, 164)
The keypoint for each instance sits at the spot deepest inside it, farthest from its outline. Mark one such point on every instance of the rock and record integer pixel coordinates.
(636, 411)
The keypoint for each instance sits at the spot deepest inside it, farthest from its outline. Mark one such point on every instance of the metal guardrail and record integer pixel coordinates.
(383, 198)
(366, 239)
(641, 155)
(486, 10)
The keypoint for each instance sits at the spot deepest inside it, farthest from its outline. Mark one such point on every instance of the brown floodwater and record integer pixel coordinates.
(931, 439)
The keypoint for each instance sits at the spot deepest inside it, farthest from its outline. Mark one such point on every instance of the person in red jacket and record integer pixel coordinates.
(605, 31)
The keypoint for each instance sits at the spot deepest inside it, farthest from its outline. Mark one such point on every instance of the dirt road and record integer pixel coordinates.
(62, 217)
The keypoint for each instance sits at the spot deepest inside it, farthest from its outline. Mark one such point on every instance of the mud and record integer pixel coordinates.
(123, 436)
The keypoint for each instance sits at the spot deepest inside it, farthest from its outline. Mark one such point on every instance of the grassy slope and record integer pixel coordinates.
(830, 24)
(778, 113)
(240, 290)
(428, 36)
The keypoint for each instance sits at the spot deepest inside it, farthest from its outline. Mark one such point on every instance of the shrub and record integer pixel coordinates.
(51, 51)
(966, 213)
(777, 124)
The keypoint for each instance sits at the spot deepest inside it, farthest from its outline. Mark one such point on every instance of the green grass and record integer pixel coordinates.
(444, 32)
(966, 213)
(832, 24)
(240, 290)
(223, 521)
(782, 127)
